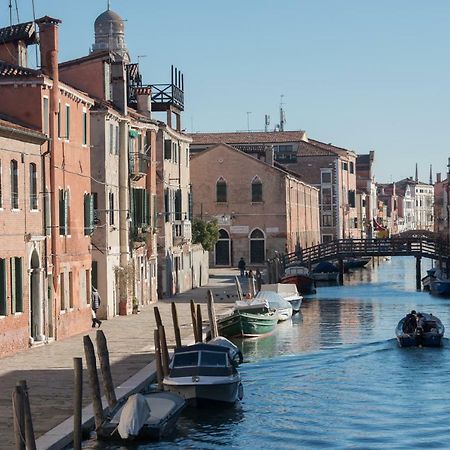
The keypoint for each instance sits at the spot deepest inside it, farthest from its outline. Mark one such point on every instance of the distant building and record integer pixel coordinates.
(261, 209)
(387, 197)
(366, 193)
(330, 169)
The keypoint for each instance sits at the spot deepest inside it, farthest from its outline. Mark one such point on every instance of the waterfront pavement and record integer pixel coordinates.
(48, 369)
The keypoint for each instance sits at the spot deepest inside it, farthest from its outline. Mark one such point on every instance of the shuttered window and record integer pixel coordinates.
(140, 208)
(33, 187)
(178, 205)
(168, 149)
(16, 285)
(14, 185)
(3, 292)
(221, 191)
(88, 214)
(63, 212)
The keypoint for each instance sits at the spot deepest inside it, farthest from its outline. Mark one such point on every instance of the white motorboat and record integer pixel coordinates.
(276, 302)
(203, 373)
(288, 291)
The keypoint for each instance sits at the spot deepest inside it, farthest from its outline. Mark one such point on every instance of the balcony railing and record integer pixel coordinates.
(139, 163)
(182, 231)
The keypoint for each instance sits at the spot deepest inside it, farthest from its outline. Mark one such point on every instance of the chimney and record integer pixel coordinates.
(144, 100)
(14, 43)
(438, 177)
(119, 86)
(269, 155)
(48, 38)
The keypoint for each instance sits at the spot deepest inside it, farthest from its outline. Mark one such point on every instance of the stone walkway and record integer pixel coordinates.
(48, 369)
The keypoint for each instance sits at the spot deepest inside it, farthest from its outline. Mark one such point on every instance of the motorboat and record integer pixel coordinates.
(325, 271)
(242, 324)
(300, 276)
(233, 350)
(276, 302)
(288, 291)
(203, 373)
(355, 263)
(148, 416)
(429, 334)
(440, 286)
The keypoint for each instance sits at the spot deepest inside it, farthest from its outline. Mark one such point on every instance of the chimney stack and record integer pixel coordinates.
(438, 177)
(144, 100)
(269, 155)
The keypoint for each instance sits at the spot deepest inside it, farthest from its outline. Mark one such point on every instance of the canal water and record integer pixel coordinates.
(334, 377)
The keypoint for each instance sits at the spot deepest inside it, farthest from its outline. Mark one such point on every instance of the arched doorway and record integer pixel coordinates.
(222, 250)
(36, 303)
(257, 247)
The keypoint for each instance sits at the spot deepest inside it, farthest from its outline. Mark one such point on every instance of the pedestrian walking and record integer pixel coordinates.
(241, 266)
(95, 304)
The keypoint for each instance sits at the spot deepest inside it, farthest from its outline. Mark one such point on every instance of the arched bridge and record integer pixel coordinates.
(417, 245)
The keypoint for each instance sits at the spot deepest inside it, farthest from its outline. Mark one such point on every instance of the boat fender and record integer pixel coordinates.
(240, 391)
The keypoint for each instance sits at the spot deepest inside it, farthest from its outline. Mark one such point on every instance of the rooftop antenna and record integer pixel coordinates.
(266, 123)
(248, 120)
(108, 4)
(17, 11)
(431, 174)
(10, 13)
(282, 114)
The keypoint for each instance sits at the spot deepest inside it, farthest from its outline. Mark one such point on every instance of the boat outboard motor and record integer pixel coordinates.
(419, 336)
(133, 417)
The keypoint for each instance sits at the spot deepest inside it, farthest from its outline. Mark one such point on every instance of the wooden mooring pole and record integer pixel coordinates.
(418, 273)
(176, 327)
(105, 367)
(164, 351)
(212, 315)
(341, 271)
(199, 324)
(93, 379)
(158, 359)
(18, 418)
(77, 402)
(194, 320)
(157, 317)
(29, 431)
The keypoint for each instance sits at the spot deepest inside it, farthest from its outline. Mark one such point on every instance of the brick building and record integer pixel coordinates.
(330, 169)
(38, 99)
(261, 209)
(23, 284)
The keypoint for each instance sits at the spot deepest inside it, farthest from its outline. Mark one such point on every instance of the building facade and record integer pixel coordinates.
(261, 210)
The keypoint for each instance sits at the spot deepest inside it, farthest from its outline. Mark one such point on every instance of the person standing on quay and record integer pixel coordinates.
(95, 304)
(241, 266)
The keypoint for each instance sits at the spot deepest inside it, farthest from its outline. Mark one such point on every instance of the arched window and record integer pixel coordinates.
(257, 247)
(14, 185)
(257, 194)
(221, 190)
(33, 187)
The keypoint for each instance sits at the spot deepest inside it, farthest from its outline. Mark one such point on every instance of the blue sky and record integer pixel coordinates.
(359, 74)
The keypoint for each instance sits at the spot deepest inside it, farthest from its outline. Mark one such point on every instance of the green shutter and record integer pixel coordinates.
(147, 208)
(19, 291)
(66, 212)
(12, 275)
(166, 206)
(61, 212)
(155, 214)
(168, 149)
(3, 295)
(190, 206)
(91, 213)
(86, 214)
(178, 212)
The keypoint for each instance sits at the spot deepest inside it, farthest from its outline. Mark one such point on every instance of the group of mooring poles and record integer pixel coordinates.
(162, 357)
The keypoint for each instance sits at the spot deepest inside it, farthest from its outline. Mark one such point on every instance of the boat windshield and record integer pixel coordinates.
(213, 359)
(187, 359)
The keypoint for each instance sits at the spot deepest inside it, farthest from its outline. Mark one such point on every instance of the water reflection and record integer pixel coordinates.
(334, 376)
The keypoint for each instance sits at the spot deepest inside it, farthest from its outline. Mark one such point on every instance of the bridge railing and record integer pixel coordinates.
(344, 248)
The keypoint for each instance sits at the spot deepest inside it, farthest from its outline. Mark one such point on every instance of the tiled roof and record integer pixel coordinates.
(270, 137)
(22, 31)
(332, 148)
(91, 57)
(309, 149)
(12, 70)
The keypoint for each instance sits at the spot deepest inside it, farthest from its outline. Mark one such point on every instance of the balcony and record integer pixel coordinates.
(138, 165)
(182, 232)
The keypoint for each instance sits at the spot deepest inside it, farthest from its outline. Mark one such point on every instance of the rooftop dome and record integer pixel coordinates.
(109, 21)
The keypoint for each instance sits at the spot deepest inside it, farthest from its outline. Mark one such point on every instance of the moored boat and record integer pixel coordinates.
(246, 324)
(428, 278)
(204, 373)
(300, 276)
(283, 309)
(428, 333)
(142, 417)
(233, 350)
(355, 263)
(440, 286)
(288, 292)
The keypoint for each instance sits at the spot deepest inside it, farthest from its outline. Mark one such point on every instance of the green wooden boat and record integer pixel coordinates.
(244, 324)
